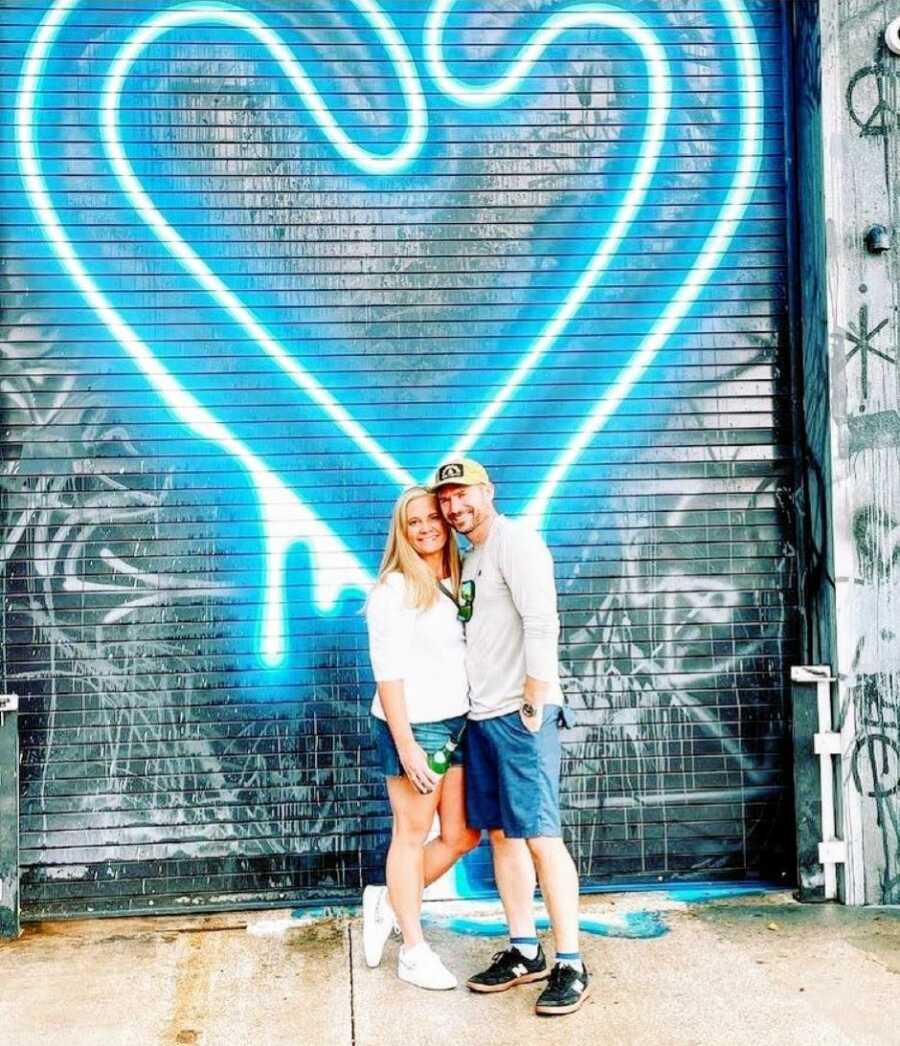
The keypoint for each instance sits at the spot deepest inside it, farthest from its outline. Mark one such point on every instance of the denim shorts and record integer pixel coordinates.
(512, 775)
(431, 736)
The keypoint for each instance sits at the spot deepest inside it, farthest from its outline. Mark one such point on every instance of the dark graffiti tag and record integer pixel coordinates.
(882, 754)
(872, 99)
(875, 762)
(874, 431)
(861, 338)
(876, 534)
(876, 770)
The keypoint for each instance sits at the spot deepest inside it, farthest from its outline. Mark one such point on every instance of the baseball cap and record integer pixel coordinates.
(464, 473)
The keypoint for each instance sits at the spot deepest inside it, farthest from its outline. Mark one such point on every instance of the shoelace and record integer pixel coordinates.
(557, 975)
(497, 957)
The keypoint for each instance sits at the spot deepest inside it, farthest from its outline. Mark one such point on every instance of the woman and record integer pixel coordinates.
(418, 658)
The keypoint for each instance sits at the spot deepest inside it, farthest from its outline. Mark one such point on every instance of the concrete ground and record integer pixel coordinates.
(758, 970)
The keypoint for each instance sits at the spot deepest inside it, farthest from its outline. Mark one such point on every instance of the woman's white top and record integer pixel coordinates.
(423, 648)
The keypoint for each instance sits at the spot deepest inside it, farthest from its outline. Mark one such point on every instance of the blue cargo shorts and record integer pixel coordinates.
(431, 736)
(512, 775)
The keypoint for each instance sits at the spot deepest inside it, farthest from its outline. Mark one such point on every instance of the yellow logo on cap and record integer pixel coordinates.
(453, 470)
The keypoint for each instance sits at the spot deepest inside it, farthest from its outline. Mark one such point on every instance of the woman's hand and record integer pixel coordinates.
(415, 766)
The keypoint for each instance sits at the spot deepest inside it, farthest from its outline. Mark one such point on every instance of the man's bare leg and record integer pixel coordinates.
(559, 884)
(514, 872)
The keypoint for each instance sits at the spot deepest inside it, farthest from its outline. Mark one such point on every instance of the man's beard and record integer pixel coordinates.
(464, 527)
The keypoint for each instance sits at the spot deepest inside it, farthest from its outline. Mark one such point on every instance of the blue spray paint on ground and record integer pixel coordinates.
(638, 925)
(632, 925)
(687, 892)
(473, 879)
(693, 893)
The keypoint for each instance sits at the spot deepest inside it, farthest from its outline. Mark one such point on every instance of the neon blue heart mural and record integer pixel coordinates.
(289, 516)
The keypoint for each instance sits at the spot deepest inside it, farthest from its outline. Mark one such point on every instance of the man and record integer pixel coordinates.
(512, 740)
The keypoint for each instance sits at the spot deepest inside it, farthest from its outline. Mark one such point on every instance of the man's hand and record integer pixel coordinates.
(532, 716)
(415, 766)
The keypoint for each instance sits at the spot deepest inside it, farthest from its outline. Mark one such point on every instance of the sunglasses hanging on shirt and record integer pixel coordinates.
(465, 604)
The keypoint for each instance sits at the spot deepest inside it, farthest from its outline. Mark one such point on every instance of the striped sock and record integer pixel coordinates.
(572, 959)
(526, 946)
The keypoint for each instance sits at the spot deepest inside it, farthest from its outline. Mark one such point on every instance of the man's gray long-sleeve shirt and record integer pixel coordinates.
(514, 629)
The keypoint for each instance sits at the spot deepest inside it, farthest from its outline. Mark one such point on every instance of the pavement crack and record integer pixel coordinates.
(352, 986)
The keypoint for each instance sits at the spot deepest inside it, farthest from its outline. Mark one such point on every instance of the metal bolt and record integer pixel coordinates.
(877, 239)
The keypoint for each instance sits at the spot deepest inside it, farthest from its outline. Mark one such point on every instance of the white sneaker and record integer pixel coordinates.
(378, 922)
(421, 967)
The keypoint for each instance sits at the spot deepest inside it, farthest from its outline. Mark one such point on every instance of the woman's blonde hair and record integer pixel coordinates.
(399, 555)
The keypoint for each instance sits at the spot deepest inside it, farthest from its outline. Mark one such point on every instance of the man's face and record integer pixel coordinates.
(466, 508)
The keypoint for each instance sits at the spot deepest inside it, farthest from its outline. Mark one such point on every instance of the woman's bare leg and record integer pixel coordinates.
(413, 816)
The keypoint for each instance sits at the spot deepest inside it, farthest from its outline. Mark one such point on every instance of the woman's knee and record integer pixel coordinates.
(411, 832)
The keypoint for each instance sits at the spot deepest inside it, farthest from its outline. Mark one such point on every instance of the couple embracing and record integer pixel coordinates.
(466, 652)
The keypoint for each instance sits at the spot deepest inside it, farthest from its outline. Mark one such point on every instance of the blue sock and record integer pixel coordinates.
(572, 959)
(526, 946)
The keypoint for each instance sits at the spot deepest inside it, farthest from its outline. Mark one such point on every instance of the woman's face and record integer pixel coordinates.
(425, 527)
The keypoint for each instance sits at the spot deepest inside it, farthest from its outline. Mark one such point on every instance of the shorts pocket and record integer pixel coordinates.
(550, 714)
(515, 721)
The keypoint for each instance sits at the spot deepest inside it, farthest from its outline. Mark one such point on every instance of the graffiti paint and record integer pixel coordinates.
(286, 517)
(259, 248)
(866, 397)
(871, 97)
(641, 925)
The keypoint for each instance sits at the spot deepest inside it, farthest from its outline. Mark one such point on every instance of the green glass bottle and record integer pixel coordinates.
(439, 761)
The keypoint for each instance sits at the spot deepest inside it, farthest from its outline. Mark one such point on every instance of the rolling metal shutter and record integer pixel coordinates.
(242, 309)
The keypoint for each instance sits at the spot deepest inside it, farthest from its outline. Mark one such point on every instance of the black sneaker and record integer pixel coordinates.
(509, 968)
(565, 992)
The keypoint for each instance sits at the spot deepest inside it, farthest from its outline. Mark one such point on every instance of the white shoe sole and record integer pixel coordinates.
(445, 987)
(373, 945)
(560, 1011)
(526, 978)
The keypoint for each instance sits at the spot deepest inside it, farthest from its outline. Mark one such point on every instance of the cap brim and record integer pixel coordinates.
(457, 481)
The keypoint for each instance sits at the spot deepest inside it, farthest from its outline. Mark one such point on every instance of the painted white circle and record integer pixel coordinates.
(892, 36)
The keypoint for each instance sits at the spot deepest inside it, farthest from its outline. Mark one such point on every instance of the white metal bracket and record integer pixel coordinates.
(834, 852)
(8, 703)
(827, 746)
(811, 674)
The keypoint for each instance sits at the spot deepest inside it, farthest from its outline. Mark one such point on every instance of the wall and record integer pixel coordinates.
(235, 329)
(861, 146)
